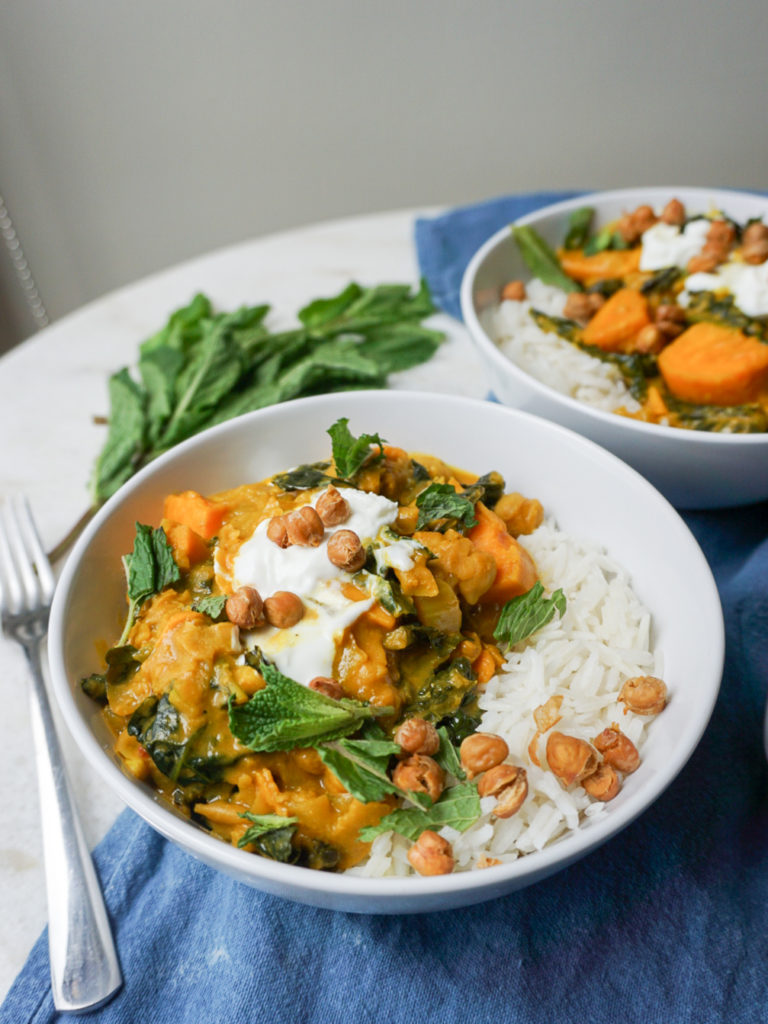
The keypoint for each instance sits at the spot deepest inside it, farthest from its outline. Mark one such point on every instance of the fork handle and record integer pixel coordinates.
(85, 971)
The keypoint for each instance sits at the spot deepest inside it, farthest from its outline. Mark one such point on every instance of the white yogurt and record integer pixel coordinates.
(308, 649)
(665, 245)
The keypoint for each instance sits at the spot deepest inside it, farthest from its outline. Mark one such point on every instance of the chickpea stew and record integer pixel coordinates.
(675, 301)
(305, 661)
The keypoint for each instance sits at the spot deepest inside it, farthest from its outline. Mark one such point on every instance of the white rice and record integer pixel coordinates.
(550, 359)
(604, 638)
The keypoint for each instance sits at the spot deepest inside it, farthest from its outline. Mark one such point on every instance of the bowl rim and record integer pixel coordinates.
(300, 883)
(506, 365)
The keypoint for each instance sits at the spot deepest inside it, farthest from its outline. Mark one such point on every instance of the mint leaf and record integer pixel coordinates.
(526, 614)
(361, 766)
(149, 568)
(212, 606)
(540, 259)
(151, 565)
(125, 442)
(447, 756)
(263, 824)
(285, 715)
(458, 807)
(441, 501)
(350, 452)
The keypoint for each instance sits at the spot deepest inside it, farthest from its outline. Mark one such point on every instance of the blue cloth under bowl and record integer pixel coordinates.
(667, 922)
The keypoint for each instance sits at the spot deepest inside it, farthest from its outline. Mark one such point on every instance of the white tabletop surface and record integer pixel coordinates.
(53, 385)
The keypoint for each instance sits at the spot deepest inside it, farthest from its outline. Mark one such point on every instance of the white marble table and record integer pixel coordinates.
(53, 385)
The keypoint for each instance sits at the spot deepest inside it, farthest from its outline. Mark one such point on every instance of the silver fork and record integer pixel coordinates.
(85, 971)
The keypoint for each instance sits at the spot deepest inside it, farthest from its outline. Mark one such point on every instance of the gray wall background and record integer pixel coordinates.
(136, 134)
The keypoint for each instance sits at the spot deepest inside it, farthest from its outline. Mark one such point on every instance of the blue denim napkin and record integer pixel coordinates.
(667, 923)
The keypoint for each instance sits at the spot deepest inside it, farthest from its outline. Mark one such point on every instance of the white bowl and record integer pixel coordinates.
(592, 494)
(692, 469)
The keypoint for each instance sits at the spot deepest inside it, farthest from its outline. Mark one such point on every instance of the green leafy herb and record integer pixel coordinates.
(458, 807)
(285, 715)
(303, 477)
(606, 238)
(722, 310)
(579, 224)
(662, 281)
(448, 756)
(204, 367)
(361, 766)
(439, 694)
(526, 614)
(262, 824)
(95, 686)
(149, 568)
(541, 260)
(732, 419)
(350, 452)
(158, 726)
(212, 606)
(441, 501)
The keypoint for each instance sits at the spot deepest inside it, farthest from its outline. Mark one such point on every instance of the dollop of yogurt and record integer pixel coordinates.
(665, 245)
(746, 282)
(308, 649)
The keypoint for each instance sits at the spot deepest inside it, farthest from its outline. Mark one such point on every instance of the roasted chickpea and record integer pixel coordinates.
(332, 507)
(327, 686)
(521, 515)
(419, 774)
(755, 243)
(721, 235)
(514, 290)
(277, 531)
(582, 307)
(648, 339)
(570, 758)
(431, 855)
(346, 551)
(704, 263)
(673, 212)
(283, 609)
(509, 783)
(245, 608)
(618, 750)
(670, 320)
(482, 751)
(416, 736)
(602, 784)
(645, 695)
(304, 527)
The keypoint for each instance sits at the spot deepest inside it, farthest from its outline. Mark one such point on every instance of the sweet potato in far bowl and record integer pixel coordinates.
(638, 318)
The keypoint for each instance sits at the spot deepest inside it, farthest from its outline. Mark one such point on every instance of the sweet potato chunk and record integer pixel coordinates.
(618, 321)
(198, 513)
(713, 365)
(607, 264)
(189, 548)
(515, 571)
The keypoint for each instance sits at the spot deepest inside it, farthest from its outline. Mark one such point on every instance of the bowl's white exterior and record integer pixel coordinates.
(692, 469)
(591, 493)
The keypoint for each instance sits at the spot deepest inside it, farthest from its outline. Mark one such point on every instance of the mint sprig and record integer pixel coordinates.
(213, 606)
(350, 452)
(286, 715)
(149, 568)
(442, 501)
(524, 615)
(458, 807)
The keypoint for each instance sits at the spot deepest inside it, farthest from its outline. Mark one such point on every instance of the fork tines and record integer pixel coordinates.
(26, 578)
